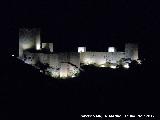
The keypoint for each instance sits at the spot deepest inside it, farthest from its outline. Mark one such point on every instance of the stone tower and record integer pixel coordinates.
(131, 51)
(29, 39)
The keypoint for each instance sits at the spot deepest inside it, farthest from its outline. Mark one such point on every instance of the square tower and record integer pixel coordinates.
(111, 49)
(29, 39)
(131, 51)
(48, 46)
(81, 49)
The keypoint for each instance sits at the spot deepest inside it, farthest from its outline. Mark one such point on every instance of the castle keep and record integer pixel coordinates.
(67, 64)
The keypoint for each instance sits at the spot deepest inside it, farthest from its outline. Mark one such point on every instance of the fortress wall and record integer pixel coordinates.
(92, 57)
(44, 58)
(101, 57)
(86, 57)
(63, 57)
(114, 57)
(74, 58)
(63, 60)
(54, 60)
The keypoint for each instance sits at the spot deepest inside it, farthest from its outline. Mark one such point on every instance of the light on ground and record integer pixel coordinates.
(126, 66)
(102, 65)
(113, 66)
(63, 74)
(73, 76)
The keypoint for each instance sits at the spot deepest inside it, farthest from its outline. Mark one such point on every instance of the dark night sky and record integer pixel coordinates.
(70, 23)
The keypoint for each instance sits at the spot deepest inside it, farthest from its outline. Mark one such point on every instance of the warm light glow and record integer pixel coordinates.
(63, 74)
(113, 66)
(73, 76)
(81, 49)
(102, 65)
(38, 42)
(126, 65)
(111, 49)
(87, 61)
(100, 61)
(12, 55)
(38, 46)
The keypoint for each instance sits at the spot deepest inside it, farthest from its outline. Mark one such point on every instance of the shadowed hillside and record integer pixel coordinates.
(96, 90)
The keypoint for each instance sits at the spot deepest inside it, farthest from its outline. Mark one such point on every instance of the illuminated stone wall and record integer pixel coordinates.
(114, 57)
(61, 64)
(92, 57)
(54, 60)
(43, 58)
(101, 57)
(131, 51)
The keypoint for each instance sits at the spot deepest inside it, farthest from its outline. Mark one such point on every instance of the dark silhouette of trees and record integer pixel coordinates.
(42, 66)
(133, 64)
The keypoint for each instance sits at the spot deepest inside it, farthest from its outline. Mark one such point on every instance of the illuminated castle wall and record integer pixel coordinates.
(61, 64)
(101, 57)
(112, 56)
(66, 64)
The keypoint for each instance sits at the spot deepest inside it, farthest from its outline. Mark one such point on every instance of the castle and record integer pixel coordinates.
(68, 64)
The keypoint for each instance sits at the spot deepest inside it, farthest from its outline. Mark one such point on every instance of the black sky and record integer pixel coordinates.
(95, 24)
